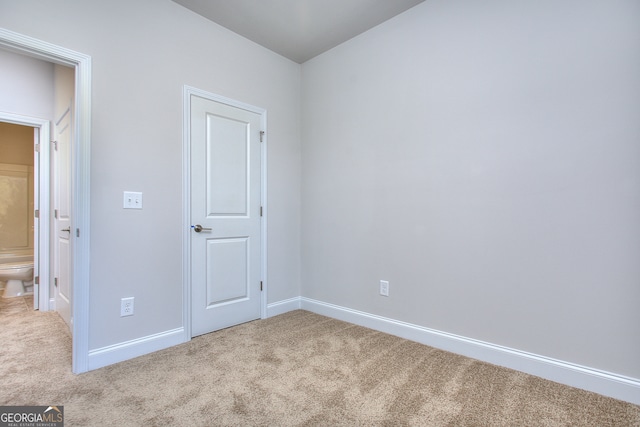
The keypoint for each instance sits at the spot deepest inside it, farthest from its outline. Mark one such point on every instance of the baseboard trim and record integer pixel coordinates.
(283, 306)
(601, 382)
(129, 349)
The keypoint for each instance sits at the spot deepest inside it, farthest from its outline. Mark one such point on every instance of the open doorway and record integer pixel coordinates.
(24, 190)
(35, 173)
(78, 197)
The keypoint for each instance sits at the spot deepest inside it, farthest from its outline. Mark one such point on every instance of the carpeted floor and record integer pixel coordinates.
(296, 369)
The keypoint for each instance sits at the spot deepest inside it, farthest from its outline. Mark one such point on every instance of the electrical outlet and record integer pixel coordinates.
(126, 307)
(384, 288)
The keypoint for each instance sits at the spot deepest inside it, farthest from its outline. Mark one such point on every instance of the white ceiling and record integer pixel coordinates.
(298, 29)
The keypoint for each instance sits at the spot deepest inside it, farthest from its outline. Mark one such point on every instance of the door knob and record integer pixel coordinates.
(198, 228)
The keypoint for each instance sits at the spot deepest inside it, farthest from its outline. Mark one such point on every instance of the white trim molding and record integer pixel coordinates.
(80, 177)
(129, 349)
(283, 306)
(586, 378)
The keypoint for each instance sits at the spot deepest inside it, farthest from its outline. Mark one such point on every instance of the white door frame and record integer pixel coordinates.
(80, 184)
(186, 200)
(41, 178)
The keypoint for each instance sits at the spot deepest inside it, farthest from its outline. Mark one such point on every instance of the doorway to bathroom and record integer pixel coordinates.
(39, 227)
(35, 213)
(24, 197)
(78, 237)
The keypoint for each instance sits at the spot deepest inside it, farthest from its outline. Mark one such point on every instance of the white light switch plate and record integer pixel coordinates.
(132, 200)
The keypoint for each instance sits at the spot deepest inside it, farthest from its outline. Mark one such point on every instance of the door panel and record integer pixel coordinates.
(227, 270)
(62, 217)
(227, 166)
(225, 201)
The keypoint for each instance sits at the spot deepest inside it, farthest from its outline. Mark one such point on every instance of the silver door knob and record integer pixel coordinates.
(198, 228)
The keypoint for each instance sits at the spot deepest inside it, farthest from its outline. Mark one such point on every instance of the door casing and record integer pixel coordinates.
(80, 179)
(186, 200)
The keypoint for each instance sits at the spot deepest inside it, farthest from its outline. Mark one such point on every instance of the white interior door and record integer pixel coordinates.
(225, 215)
(62, 217)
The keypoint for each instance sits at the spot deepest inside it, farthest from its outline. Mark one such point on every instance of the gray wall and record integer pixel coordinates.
(26, 85)
(484, 157)
(143, 52)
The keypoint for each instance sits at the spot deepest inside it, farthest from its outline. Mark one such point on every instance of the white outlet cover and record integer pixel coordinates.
(127, 306)
(384, 288)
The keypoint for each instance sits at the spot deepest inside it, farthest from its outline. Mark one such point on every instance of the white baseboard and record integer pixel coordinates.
(128, 350)
(283, 306)
(597, 381)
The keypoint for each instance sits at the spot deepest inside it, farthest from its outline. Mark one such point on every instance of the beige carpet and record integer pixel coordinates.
(296, 369)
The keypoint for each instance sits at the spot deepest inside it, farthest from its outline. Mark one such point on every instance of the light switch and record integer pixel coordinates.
(132, 200)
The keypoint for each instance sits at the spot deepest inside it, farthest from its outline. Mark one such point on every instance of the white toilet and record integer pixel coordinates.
(18, 277)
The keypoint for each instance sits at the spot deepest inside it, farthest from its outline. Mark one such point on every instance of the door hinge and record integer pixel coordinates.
(260, 210)
(261, 285)
(55, 213)
(261, 135)
(37, 148)
(55, 145)
(77, 232)
(55, 282)
(36, 280)
(36, 213)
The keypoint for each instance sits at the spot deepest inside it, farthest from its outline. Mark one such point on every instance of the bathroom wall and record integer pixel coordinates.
(16, 144)
(16, 188)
